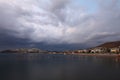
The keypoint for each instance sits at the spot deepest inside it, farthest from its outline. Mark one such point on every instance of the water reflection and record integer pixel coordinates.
(58, 67)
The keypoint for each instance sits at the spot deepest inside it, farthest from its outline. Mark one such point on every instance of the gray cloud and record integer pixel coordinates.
(60, 21)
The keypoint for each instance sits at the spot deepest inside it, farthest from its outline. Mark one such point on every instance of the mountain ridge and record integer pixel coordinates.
(112, 44)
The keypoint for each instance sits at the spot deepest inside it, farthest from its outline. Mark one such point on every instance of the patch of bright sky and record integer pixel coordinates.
(90, 5)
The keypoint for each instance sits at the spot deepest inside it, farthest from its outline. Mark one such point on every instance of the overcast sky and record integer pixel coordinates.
(58, 24)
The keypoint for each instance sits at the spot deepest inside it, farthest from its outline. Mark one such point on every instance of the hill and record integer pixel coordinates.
(110, 44)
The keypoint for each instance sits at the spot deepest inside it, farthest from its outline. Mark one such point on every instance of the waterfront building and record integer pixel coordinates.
(115, 50)
(99, 50)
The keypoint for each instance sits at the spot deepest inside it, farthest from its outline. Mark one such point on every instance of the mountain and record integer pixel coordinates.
(110, 44)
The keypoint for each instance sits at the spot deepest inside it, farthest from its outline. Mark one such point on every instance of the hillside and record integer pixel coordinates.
(110, 44)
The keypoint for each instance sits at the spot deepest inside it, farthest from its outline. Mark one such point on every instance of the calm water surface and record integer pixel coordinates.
(58, 67)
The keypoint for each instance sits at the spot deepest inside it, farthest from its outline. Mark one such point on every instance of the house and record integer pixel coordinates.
(115, 50)
(99, 50)
(83, 51)
(80, 51)
(86, 51)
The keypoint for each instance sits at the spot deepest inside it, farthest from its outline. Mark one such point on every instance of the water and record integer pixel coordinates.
(58, 67)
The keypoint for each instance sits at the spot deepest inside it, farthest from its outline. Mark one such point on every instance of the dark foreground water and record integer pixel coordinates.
(58, 67)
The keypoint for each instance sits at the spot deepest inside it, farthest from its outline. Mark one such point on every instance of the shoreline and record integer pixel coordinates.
(79, 54)
(100, 54)
(91, 54)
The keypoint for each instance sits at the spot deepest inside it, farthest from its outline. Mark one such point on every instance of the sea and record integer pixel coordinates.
(36, 66)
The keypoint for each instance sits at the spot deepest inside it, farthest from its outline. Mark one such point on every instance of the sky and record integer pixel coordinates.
(58, 24)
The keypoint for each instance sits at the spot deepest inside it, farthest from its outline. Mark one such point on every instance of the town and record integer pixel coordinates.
(106, 48)
(24, 50)
(97, 50)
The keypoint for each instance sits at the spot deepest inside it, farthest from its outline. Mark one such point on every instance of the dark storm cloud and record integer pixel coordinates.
(58, 22)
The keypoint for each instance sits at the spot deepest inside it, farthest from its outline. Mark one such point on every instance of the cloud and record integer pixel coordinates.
(60, 21)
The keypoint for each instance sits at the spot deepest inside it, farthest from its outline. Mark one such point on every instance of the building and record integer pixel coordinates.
(99, 50)
(115, 50)
(82, 51)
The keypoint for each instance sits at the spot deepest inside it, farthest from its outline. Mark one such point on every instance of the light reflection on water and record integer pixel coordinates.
(58, 67)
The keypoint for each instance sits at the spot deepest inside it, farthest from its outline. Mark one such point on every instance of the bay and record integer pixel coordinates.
(34, 66)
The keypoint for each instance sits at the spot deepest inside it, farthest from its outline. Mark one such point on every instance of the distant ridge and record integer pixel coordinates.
(110, 44)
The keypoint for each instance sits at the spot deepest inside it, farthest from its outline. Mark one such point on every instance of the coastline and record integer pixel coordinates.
(78, 54)
(91, 54)
(100, 54)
